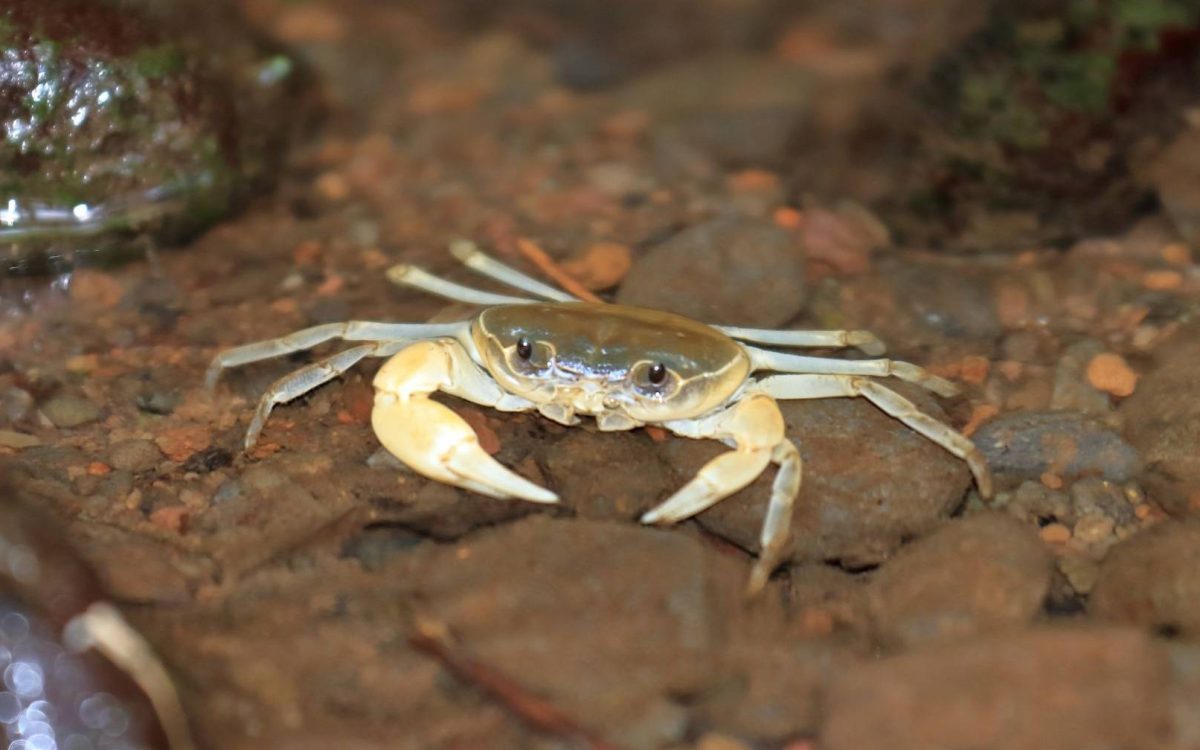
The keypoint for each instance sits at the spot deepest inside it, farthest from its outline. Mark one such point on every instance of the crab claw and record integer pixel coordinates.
(429, 437)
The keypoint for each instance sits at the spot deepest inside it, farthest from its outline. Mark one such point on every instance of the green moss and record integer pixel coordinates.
(160, 61)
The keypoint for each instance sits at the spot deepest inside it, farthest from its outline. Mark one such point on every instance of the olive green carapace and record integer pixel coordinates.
(610, 339)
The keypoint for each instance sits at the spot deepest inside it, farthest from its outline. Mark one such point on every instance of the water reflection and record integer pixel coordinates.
(53, 699)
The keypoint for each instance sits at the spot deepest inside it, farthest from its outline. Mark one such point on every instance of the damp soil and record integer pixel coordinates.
(291, 590)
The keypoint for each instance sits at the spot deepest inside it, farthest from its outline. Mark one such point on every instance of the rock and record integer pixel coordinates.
(18, 440)
(985, 572)
(1041, 689)
(134, 455)
(1072, 389)
(1153, 579)
(15, 404)
(138, 126)
(1026, 445)
(67, 411)
(869, 483)
(575, 464)
(736, 271)
(1162, 420)
(1176, 178)
(740, 109)
(607, 638)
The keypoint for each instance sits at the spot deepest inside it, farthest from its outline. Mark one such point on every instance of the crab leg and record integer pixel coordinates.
(891, 403)
(756, 429)
(864, 341)
(418, 278)
(296, 384)
(432, 439)
(476, 260)
(765, 359)
(353, 330)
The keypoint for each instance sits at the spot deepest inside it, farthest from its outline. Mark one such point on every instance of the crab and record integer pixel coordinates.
(625, 367)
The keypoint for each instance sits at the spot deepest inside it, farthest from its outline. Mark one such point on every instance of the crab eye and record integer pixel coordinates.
(657, 374)
(524, 349)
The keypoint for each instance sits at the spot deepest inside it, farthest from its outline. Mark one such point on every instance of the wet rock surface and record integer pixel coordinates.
(289, 587)
(1066, 444)
(985, 572)
(735, 271)
(870, 484)
(1045, 688)
(115, 122)
(1163, 422)
(1152, 580)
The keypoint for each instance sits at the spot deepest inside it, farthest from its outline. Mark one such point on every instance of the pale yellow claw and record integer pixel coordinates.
(430, 438)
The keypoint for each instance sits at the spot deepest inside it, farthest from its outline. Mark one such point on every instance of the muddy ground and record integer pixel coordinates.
(284, 587)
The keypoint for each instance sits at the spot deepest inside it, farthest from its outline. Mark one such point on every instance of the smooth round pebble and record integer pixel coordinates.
(67, 411)
(134, 455)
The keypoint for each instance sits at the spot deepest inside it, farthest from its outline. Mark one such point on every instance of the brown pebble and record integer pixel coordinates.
(1162, 280)
(1052, 480)
(1055, 533)
(1111, 373)
(171, 518)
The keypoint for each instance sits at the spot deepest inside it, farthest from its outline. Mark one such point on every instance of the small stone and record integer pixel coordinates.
(1026, 445)
(736, 271)
(15, 404)
(1055, 533)
(158, 402)
(67, 411)
(1075, 386)
(171, 518)
(1111, 373)
(1093, 528)
(179, 443)
(1080, 572)
(18, 440)
(134, 455)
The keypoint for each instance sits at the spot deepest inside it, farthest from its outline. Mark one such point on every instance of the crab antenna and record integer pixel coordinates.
(418, 278)
(476, 260)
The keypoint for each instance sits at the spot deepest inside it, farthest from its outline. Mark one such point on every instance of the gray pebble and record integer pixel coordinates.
(71, 411)
(732, 270)
(15, 404)
(1025, 445)
(158, 402)
(134, 455)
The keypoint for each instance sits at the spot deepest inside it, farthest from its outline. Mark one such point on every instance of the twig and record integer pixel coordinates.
(434, 639)
(546, 265)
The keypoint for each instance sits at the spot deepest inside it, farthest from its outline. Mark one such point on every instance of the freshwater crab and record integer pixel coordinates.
(624, 366)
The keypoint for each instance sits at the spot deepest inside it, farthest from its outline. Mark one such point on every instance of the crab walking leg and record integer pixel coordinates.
(432, 439)
(476, 260)
(353, 330)
(764, 359)
(418, 278)
(755, 427)
(837, 386)
(864, 341)
(296, 384)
